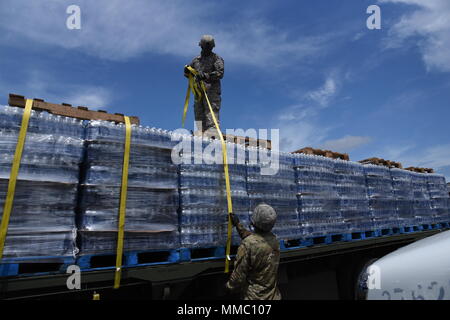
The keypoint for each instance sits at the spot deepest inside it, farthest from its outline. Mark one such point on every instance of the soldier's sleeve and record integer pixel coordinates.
(193, 62)
(219, 69)
(242, 231)
(239, 276)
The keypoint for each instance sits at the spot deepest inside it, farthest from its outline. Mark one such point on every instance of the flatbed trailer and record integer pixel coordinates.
(324, 271)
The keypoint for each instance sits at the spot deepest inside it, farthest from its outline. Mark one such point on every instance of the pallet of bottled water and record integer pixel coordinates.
(402, 188)
(318, 199)
(422, 202)
(439, 197)
(152, 197)
(382, 202)
(42, 221)
(271, 180)
(352, 191)
(203, 198)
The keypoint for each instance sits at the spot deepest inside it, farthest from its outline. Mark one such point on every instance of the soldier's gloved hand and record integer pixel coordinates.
(234, 219)
(202, 75)
(205, 76)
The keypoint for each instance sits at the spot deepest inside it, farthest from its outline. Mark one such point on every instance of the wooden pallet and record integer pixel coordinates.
(245, 141)
(65, 109)
(324, 153)
(420, 170)
(382, 162)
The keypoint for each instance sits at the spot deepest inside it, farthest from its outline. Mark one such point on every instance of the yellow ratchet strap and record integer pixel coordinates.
(123, 203)
(198, 95)
(227, 181)
(14, 173)
(192, 86)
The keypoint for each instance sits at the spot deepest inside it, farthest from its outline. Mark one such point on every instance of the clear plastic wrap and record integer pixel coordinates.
(42, 206)
(318, 199)
(40, 123)
(100, 242)
(352, 192)
(211, 176)
(274, 184)
(382, 201)
(203, 201)
(147, 209)
(439, 197)
(104, 131)
(421, 204)
(39, 243)
(151, 220)
(404, 196)
(42, 220)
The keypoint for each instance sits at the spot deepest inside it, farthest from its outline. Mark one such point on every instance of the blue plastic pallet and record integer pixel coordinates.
(388, 231)
(445, 225)
(325, 239)
(410, 229)
(294, 244)
(362, 235)
(428, 226)
(34, 266)
(130, 259)
(208, 253)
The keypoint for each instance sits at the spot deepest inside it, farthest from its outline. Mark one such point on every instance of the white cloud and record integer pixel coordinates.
(430, 21)
(436, 157)
(93, 97)
(119, 30)
(323, 95)
(296, 134)
(298, 123)
(346, 143)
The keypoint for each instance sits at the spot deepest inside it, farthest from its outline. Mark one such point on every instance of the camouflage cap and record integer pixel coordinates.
(264, 217)
(207, 39)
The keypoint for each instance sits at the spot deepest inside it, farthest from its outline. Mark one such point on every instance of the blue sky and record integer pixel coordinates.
(310, 68)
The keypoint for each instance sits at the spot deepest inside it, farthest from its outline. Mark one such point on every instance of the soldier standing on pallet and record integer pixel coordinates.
(210, 69)
(255, 272)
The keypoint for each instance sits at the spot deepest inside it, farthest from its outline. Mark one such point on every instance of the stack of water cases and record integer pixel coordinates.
(439, 197)
(152, 200)
(422, 203)
(318, 200)
(203, 200)
(448, 201)
(271, 180)
(42, 221)
(352, 192)
(404, 196)
(382, 202)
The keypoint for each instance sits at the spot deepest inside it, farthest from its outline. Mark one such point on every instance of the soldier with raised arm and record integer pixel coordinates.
(255, 273)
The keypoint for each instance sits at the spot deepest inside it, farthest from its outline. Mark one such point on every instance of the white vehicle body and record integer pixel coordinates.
(419, 271)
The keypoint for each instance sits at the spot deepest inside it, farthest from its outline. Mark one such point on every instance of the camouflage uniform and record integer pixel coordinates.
(213, 66)
(256, 267)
